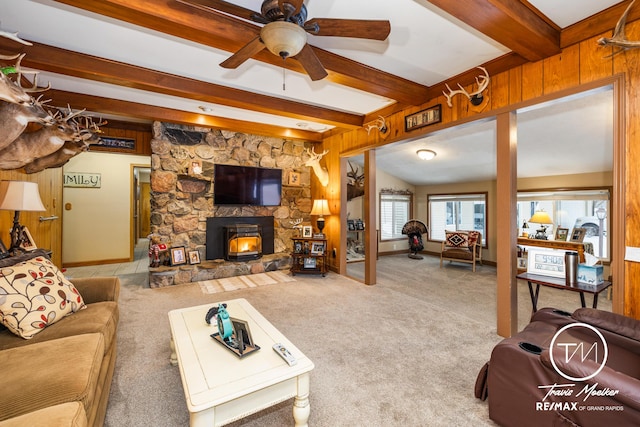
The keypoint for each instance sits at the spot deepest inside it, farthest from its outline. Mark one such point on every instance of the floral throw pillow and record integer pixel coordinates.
(35, 294)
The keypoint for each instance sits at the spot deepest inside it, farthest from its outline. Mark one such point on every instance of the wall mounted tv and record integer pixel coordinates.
(246, 185)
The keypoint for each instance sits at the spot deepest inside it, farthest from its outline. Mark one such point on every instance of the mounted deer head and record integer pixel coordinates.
(14, 118)
(11, 91)
(474, 97)
(314, 161)
(619, 39)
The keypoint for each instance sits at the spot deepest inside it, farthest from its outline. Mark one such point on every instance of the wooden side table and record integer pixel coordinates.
(309, 256)
(560, 283)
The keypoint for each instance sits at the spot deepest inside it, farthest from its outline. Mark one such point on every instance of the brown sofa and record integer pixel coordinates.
(62, 376)
(521, 372)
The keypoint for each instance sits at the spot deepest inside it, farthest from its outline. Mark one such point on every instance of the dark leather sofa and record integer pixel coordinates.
(521, 373)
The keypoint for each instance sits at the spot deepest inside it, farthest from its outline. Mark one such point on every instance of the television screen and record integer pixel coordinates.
(246, 185)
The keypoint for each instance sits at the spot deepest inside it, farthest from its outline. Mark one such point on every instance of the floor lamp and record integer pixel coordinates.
(19, 196)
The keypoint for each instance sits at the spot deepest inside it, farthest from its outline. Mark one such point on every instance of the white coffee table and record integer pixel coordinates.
(220, 387)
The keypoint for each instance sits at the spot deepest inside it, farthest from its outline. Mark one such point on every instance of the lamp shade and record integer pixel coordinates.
(20, 196)
(320, 207)
(284, 39)
(541, 217)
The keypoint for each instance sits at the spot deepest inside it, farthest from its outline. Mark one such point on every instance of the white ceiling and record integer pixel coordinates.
(426, 46)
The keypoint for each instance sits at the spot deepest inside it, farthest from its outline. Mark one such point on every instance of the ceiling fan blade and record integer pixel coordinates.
(311, 63)
(246, 52)
(221, 6)
(357, 28)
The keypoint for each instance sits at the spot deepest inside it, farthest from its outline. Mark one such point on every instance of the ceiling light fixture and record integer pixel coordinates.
(284, 39)
(426, 154)
(205, 109)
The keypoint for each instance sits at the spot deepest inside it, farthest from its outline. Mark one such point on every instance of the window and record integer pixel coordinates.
(451, 212)
(588, 209)
(395, 212)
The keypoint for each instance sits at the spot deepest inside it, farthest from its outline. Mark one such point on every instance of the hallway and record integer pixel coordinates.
(140, 264)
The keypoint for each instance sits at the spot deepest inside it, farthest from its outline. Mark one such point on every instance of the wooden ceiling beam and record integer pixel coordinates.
(61, 61)
(509, 22)
(116, 107)
(597, 24)
(230, 34)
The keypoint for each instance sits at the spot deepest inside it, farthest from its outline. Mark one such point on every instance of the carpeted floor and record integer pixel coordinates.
(404, 352)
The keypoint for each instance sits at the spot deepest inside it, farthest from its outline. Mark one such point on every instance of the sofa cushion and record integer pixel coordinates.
(64, 415)
(49, 373)
(35, 294)
(457, 239)
(99, 317)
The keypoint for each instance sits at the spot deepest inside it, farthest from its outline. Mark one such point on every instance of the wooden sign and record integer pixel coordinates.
(82, 180)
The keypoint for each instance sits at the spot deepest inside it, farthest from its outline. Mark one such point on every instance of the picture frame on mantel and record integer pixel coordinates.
(423, 118)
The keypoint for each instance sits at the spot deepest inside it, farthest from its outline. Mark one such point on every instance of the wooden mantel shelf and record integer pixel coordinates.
(554, 244)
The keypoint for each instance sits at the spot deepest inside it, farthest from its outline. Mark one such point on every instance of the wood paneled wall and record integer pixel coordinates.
(584, 64)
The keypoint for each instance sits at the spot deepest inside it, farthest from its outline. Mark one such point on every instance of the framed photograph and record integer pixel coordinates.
(423, 118)
(522, 263)
(359, 224)
(294, 178)
(562, 233)
(307, 231)
(27, 242)
(351, 225)
(317, 248)
(297, 247)
(577, 235)
(178, 256)
(194, 257)
(309, 263)
(546, 262)
(195, 167)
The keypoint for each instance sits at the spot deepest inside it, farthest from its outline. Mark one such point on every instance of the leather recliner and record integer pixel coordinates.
(520, 374)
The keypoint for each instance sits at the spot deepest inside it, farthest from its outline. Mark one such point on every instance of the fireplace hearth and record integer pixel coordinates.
(243, 242)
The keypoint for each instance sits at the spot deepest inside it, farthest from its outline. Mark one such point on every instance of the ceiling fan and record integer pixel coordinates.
(285, 31)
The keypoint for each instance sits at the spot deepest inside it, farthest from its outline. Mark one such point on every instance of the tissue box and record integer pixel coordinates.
(590, 274)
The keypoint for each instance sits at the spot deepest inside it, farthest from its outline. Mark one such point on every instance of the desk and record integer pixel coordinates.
(221, 388)
(560, 283)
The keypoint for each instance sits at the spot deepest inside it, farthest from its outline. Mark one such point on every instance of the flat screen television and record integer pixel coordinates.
(246, 185)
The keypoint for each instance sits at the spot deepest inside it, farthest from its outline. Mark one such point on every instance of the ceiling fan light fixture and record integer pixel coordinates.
(426, 154)
(284, 39)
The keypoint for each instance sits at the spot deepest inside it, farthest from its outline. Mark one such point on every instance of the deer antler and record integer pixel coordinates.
(14, 37)
(619, 39)
(313, 156)
(21, 73)
(380, 124)
(476, 96)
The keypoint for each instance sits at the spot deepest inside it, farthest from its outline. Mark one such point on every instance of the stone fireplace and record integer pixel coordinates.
(243, 242)
(182, 208)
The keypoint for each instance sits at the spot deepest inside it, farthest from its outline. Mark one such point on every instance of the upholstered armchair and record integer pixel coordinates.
(462, 246)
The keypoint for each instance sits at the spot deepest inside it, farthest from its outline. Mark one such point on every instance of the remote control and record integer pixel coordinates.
(285, 354)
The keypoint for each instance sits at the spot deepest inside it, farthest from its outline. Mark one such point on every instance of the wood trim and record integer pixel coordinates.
(370, 234)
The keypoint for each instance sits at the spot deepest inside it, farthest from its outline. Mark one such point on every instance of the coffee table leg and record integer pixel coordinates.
(173, 359)
(301, 407)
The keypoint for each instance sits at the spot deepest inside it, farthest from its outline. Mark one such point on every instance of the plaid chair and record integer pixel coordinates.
(462, 246)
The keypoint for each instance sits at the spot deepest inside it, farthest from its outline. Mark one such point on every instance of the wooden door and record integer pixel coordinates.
(145, 210)
(47, 233)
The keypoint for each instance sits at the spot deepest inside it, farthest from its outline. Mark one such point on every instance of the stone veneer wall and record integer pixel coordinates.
(181, 201)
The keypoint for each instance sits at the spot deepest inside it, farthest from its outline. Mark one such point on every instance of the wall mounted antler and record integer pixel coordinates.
(380, 124)
(619, 39)
(314, 161)
(14, 37)
(476, 96)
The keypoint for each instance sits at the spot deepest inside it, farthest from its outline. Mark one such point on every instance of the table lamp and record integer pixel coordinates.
(541, 217)
(19, 196)
(320, 208)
